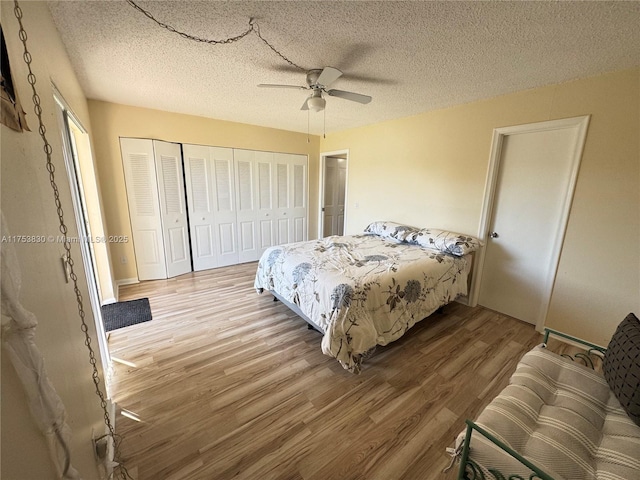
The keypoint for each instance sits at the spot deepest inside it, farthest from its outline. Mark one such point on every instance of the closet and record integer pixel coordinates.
(155, 192)
(241, 202)
(235, 204)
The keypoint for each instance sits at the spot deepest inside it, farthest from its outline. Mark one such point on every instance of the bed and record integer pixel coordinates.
(366, 290)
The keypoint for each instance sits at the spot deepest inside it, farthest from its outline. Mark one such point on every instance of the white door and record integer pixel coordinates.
(73, 133)
(282, 176)
(298, 196)
(224, 201)
(342, 194)
(335, 174)
(200, 200)
(173, 211)
(246, 214)
(290, 185)
(265, 195)
(144, 209)
(537, 170)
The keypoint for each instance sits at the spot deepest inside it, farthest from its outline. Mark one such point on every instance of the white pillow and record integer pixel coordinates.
(447, 242)
(391, 230)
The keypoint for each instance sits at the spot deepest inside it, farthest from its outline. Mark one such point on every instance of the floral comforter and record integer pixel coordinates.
(362, 290)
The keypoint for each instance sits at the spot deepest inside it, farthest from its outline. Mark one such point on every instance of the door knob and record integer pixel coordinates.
(493, 235)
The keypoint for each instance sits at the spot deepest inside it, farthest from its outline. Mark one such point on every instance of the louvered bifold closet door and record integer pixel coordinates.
(290, 197)
(265, 198)
(282, 198)
(299, 196)
(245, 176)
(224, 201)
(173, 211)
(200, 201)
(144, 210)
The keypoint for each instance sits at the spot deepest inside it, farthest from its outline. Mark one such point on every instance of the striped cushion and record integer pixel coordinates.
(564, 418)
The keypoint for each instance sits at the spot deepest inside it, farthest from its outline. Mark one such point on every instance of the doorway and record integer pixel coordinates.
(91, 239)
(333, 193)
(528, 194)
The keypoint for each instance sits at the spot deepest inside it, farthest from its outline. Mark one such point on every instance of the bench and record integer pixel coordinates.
(559, 419)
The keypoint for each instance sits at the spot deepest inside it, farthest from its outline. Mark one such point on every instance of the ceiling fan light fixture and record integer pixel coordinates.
(316, 104)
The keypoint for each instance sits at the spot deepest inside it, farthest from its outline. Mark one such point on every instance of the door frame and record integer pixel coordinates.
(323, 157)
(63, 112)
(580, 123)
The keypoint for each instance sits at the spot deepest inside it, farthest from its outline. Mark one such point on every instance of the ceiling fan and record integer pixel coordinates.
(317, 81)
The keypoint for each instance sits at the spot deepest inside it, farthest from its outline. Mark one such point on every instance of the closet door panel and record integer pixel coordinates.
(265, 193)
(266, 235)
(283, 230)
(298, 186)
(246, 236)
(202, 243)
(227, 237)
(224, 200)
(282, 197)
(151, 255)
(168, 157)
(299, 226)
(144, 210)
(245, 168)
(199, 180)
(291, 197)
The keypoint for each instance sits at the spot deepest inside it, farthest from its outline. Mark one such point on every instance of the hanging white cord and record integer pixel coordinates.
(18, 340)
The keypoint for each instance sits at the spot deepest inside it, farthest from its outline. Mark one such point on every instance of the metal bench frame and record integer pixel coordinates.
(470, 470)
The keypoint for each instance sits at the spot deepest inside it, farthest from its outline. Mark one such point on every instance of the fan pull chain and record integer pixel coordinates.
(324, 126)
(31, 78)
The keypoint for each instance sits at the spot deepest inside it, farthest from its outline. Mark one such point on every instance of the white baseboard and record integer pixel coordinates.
(464, 300)
(107, 301)
(124, 281)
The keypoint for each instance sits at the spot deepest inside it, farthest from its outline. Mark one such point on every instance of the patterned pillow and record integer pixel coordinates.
(391, 230)
(621, 366)
(444, 241)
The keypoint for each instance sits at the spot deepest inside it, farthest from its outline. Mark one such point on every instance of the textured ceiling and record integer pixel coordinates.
(411, 57)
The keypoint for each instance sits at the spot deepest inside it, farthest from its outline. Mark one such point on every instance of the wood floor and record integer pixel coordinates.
(225, 383)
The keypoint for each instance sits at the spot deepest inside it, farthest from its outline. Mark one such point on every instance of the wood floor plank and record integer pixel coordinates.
(228, 384)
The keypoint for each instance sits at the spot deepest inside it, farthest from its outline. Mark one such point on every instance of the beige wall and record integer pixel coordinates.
(95, 214)
(27, 203)
(430, 170)
(424, 170)
(112, 121)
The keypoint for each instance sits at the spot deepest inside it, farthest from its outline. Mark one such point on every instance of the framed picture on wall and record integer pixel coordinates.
(12, 114)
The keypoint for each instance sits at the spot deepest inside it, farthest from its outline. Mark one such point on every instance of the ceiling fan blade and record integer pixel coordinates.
(305, 105)
(273, 85)
(355, 97)
(328, 76)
